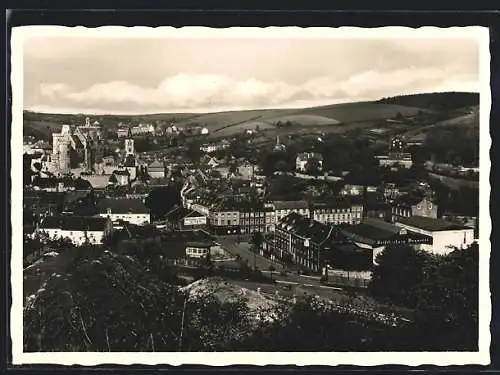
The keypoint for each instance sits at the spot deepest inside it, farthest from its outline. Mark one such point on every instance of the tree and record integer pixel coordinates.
(282, 166)
(162, 199)
(398, 272)
(448, 299)
(313, 166)
(257, 239)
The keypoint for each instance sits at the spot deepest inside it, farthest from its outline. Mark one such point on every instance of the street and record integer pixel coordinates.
(263, 264)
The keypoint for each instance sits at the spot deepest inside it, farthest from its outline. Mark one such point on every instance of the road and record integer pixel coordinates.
(232, 246)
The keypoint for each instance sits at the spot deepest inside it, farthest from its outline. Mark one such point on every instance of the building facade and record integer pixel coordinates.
(79, 230)
(446, 236)
(133, 211)
(407, 206)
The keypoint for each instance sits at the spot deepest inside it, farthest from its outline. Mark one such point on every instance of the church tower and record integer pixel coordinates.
(129, 144)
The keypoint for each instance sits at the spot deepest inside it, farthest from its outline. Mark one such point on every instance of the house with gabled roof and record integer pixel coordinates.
(413, 205)
(445, 236)
(133, 211)
(156, 169)
(79, 229)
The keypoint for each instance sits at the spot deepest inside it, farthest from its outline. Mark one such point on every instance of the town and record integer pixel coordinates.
(280, 213)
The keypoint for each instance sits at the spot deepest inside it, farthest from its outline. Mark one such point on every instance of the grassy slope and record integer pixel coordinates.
(233, 122)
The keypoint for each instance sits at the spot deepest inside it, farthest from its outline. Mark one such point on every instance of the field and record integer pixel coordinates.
(221, 124)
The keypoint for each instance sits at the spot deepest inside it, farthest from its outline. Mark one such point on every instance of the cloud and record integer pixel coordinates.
(190, 92)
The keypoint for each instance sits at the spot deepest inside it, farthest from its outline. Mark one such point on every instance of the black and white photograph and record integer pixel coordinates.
(309, 196)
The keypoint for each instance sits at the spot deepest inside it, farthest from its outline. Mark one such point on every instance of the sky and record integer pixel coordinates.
(152, 75)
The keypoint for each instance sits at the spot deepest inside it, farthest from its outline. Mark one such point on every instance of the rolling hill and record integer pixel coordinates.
(442, 101)
(234, 122)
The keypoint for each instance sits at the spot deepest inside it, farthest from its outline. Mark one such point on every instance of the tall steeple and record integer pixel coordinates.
(129, 143)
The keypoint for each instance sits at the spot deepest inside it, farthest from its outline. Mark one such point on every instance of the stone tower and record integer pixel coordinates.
(64, 156)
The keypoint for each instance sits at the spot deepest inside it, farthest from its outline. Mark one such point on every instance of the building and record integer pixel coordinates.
(279, 146)
(133, 211)
(408, 205)
(283, 208)
(198, 249)
(396, 157)
(212, 147)
(120, 177)
(376, 234)
(79, 229)
(224, 218)
(356, 190)
(303, 159)
(156, 169)
(300, 240)
(181, 218)
(255, 217)
(246, 171)
(339, 211)
(141, 129)
(316, 247)
(446, 236)
(80, 146)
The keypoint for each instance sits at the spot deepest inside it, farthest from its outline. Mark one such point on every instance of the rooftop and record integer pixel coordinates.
(430, 224)
(156, 164)
(308, 155)
(373, 231)
(305, 227)
(122, 206)
(76, 223)
(409, 200)
(290, 205)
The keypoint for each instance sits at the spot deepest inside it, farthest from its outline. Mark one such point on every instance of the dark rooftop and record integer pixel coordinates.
(122, 206)
(373, 231)
(305, 227)
(409, 200)
(76, 223)
(430, 224)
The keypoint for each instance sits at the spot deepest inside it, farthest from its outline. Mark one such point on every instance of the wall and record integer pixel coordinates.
(136, 219)
(196, 252)
(97, 180)
(425, 208)
(201, 220)
(76, 237)
(443, 239)
(157, 173)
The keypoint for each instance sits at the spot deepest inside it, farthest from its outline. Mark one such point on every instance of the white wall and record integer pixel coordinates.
(76, 237)
(136, 219)
(201, 220)
(157, 173)
(442, 240)
(195, 252)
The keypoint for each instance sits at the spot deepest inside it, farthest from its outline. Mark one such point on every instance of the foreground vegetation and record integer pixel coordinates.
(112, 302)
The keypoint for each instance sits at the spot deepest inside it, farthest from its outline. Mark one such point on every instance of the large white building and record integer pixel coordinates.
(77, 229)
(446, 236)
(133, 211)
